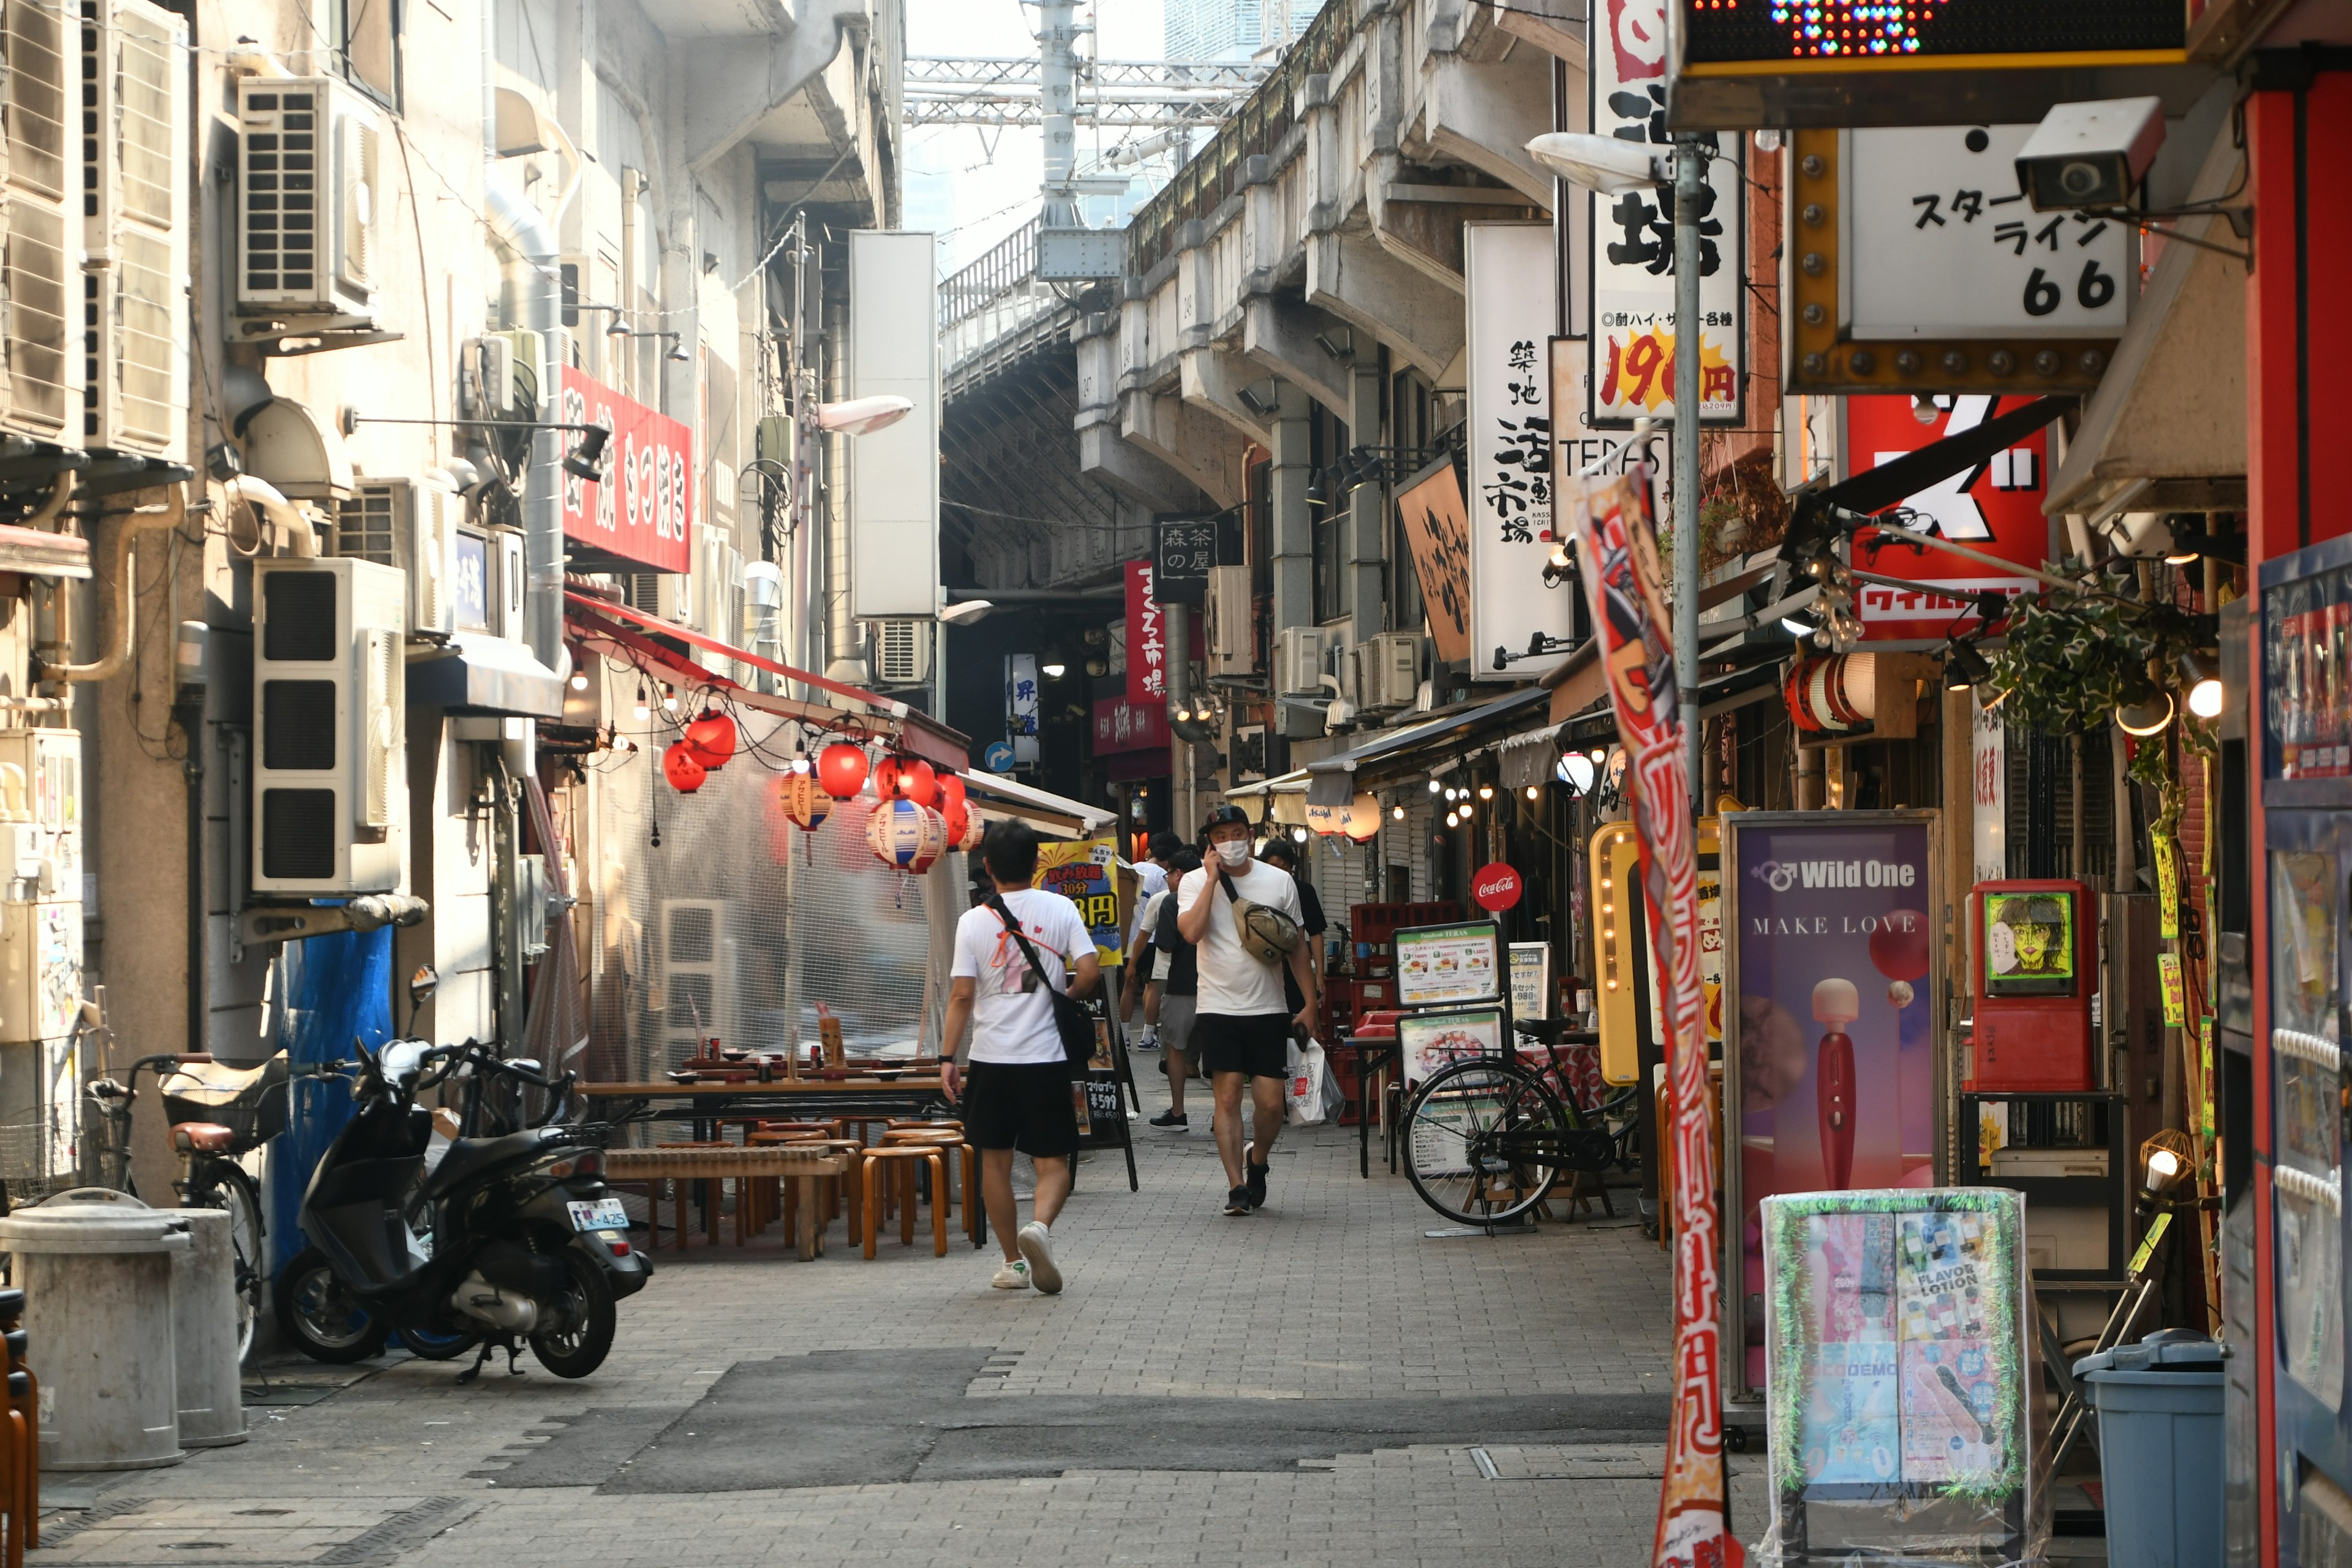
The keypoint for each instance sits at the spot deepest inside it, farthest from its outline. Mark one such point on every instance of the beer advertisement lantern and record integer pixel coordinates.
(841, 769)
(973, 827)
(682, 768)
(805, 800)
(905, 836)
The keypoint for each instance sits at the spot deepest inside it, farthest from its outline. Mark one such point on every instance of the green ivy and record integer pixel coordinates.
(2071, 660)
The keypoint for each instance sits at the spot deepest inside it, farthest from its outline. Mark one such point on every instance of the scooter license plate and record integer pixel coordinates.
(604, 1215)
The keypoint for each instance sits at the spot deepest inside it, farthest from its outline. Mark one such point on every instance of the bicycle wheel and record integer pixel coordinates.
(1476, 1135)
(227, 1188)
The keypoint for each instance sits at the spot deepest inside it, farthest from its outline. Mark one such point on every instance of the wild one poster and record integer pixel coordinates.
(1617, 549)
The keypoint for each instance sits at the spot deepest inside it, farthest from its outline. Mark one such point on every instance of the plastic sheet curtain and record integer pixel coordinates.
(337, 991)
(555, 1030)
(715, 917)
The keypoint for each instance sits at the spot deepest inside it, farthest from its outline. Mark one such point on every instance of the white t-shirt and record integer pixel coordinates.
(1009, 1023)
(1150, 881)
(1232, 982)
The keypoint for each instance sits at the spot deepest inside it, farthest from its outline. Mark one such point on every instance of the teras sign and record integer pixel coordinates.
(643, 510)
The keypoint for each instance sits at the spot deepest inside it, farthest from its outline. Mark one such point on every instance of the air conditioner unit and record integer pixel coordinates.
(308, 198)
(508, 365)
(411, 524)
(134, 237)
(40, 218)
(698, 988)
(1298, 663)
(1233, 624)
(1390, 671)
(902, 652)
(329, 680)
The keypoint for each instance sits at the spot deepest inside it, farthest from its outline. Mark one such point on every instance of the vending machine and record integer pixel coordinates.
(2304, 964)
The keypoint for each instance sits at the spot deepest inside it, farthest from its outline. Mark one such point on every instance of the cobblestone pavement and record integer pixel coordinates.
(1550, 1349)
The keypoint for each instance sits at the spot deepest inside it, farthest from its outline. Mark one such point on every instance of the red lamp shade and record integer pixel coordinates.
(711, 737)
(886, 778)
(957, 817)
(841, 769)
(680, 767)
(918, 783)
(951, 790)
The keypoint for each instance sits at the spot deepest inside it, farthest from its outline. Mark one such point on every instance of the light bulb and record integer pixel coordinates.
(578, 681)
(1486, 792)
(1452, 820)
(1299, 834)
(669, 698)
(1465, 808)
(2205, 699)
(1435, 786)
(1532, 793)
(1397, 811)
(642, 710)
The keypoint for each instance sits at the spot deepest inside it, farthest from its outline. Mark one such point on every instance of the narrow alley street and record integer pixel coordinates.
(1315, 1384)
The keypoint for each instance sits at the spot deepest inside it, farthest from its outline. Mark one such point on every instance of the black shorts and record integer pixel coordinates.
(1257, 1044)
(1021, 1105)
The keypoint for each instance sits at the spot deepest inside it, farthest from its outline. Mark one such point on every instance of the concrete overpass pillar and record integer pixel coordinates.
(1365, 593)
(1293, 530)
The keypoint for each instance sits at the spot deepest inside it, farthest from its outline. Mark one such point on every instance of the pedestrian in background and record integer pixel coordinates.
(1151, 884)
(1179, 969)
(1009, 953)
(1242, 1028)
(1279, 853)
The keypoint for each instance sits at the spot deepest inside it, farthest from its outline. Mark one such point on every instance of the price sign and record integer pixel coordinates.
(1187, 548)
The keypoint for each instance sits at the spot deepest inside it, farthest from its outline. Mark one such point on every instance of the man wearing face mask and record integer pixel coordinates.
(1242, 1029)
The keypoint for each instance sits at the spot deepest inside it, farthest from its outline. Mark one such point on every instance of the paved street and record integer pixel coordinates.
(1317, 1384)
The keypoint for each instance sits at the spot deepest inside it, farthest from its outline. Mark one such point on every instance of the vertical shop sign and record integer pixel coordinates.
(1507, 267)
(1989, 775)
(1631, 259)
(1147, 638)
(1021, 705)
(1438, 528)
(1829, 1041)
(1994, 508)
(1616, 544)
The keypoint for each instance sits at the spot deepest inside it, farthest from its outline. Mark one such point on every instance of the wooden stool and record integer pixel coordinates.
(896, 1157)
(966, 1155)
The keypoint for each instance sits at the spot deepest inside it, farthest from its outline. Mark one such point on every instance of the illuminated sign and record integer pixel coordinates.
(1862, 34)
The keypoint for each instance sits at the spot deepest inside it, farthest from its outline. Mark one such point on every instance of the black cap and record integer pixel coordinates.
(1219, 816)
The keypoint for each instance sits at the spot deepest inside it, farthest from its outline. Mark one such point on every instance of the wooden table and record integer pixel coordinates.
(802, 1168)
(705, 1104)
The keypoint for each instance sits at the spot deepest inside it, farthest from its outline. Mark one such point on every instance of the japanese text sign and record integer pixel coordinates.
(1187, 548)
(1438, 528)
(1994, 508)
(1630, 264)
(1147, 638)
(1939, 242)
(642, 509)
(1085, 871)
(1123, 724)
(1021, 705)
(1508, 270)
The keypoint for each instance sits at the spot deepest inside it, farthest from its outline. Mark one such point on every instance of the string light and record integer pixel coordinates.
(1452, 820)
(642, 710)
(1435, 786)
(1533, 794)
(1486, 792)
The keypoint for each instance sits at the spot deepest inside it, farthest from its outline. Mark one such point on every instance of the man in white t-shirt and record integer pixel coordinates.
(1014, 1085)
(1151, 885)
(1242, 1032)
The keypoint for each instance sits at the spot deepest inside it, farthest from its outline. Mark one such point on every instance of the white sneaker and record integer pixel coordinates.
(1014, 1276)
(1037, 1250)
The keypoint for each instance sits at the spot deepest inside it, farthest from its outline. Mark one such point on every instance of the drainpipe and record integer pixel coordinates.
(530, 297)
(844, 648)
(146, 519)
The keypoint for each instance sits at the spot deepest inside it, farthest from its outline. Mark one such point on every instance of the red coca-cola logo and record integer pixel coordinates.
(1496, 887)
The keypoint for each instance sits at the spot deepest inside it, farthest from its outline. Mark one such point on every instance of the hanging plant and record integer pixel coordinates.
(2071, 661)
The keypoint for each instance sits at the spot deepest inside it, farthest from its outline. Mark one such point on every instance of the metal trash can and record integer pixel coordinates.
(203, 1333)
(2160, 1450)
(95, 1268)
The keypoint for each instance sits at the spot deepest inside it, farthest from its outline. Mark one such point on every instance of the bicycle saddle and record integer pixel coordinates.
(215, 1083)
(201, 1138)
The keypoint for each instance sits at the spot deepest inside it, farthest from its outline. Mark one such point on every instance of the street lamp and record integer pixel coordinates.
(862, 416)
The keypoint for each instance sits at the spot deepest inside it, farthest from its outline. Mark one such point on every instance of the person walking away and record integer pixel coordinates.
(1241, 1027)
(1278, 852)
(1178, 996)
(1014, 1083)
(1151, 885)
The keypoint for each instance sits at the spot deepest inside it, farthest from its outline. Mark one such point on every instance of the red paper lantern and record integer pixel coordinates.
(957, 817)
(805, 801)
(886, 777)
(680, 766)
(950, 789)
(841, 769)
(918, 783)
(712, 739)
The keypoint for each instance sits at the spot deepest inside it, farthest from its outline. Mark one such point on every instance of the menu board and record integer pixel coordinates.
(1898, 1368)
(1439, 964)
(1429, 1041)
(1530, 980)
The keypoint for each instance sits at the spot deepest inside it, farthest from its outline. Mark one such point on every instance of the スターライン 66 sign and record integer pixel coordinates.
(1916, 62)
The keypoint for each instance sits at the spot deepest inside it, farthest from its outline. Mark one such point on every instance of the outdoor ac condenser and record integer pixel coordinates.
(1233, 626)
(40, 213)
(134, 277)
(1298, 662)
(902, 652)
(411, 524)
(329, 786)
(308, 198)
(1391, 666)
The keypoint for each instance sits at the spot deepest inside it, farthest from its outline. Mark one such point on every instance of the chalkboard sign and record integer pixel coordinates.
(1187, 549)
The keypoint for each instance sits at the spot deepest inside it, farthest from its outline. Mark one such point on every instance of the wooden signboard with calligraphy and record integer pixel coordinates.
(1438, 528)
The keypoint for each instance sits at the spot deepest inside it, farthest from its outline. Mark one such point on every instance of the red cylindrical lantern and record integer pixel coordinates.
(957, 817)
(682, 769)
(950, 789)
(712, 739)
(841, 769)
(918, 783)
(886, 777)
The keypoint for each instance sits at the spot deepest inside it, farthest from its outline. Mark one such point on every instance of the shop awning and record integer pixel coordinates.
(1341, 777)
(2166, 430)
(477, 673)
(998, 797)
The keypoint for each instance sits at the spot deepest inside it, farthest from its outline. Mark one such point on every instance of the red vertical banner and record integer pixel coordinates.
(1147, 639)
(1617, 548)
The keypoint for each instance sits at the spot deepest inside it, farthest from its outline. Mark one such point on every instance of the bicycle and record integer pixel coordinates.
(216, 1113)
(1486, 1137)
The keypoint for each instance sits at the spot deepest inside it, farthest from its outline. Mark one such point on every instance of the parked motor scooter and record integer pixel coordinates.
(513, 1237)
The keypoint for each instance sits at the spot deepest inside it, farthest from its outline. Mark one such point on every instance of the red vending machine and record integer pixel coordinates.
(2036, 971)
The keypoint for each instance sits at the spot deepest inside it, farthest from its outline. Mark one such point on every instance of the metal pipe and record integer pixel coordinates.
(529, 289)
(845, 651)
(145, 519)
(1690, 182)
(272, 513)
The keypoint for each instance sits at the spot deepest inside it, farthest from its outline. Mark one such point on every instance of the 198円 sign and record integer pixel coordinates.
(1939, 242)
(1631, 262)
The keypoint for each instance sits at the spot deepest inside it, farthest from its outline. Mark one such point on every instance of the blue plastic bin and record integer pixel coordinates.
(2159, 1404)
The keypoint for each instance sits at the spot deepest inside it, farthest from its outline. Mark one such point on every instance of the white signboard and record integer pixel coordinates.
(1021, 706)
(1631, 259)
(1938, 242)
(1606, 453)
(1507, 267)
(894, 473)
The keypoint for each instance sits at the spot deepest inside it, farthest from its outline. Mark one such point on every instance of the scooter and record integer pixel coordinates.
(509, 1238)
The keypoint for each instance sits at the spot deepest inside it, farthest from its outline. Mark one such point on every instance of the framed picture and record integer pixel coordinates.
(1428, 1041)
(1449, 964)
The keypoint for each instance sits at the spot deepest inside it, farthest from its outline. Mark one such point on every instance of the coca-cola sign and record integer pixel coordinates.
(1496, 887)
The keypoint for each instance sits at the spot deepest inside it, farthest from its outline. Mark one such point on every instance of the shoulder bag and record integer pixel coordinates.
(1267, 934)
(1072, 1021)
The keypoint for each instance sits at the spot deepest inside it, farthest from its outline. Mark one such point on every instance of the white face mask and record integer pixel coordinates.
(1234, 853)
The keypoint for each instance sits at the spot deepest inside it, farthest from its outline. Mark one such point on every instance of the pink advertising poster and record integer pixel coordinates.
(1830, 1053)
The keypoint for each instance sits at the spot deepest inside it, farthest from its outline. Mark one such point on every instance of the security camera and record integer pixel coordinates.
(2090, 155)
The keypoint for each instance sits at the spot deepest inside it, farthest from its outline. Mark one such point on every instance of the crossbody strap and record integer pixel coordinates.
(1013, 929)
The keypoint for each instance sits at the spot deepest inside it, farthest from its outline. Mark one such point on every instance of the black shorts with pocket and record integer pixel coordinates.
(1257, 1044)
(1021, 1105)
